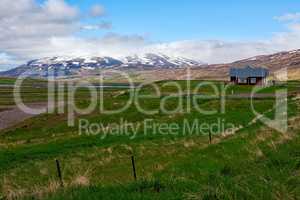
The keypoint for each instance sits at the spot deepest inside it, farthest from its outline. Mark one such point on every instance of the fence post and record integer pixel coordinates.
(133, 167)
(59, 173)
(210, 137)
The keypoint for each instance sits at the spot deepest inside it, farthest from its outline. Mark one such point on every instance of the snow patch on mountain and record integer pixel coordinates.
(74, 65)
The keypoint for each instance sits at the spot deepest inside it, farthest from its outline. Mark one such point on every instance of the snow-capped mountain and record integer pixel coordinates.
(64, 66)
(158, 60)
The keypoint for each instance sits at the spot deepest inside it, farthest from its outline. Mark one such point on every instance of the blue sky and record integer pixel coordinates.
(170, 20)
(210, 31)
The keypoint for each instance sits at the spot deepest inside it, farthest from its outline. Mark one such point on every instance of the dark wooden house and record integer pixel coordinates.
(249, 75)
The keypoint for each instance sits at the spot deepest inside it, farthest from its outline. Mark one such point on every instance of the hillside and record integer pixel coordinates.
(274, 62)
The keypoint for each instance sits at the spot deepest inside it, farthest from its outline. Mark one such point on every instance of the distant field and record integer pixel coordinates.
(254, 163)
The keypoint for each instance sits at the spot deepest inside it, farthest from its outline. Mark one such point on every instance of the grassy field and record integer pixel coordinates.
(255, 162)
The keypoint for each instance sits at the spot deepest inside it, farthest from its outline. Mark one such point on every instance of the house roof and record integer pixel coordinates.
(249, 71)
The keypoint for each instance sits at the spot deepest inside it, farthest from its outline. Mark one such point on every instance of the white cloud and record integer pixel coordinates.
(288, 17)
(59, 10)
(27, 27)
(110, 45)
(97, 10)
(4, 59)
(225, 52)
(10, 8)
(29, 30)
(100, 26)
(213, 51)
(218, 51)
(30, 20)
(114, 45)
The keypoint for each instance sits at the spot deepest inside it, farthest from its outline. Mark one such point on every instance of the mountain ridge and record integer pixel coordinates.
(157, 65)
(64, 65)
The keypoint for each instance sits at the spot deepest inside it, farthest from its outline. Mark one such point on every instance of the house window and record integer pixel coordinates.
(253, 80)
(242, 80)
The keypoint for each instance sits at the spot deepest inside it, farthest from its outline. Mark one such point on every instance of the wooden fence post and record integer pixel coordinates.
(133, 167)
(59, 173)
(210, 138)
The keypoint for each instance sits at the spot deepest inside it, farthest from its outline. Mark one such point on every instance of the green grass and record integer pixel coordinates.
(208, 87)
(255, 163)
(237, 168)
(27, 81)
(241, 167)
